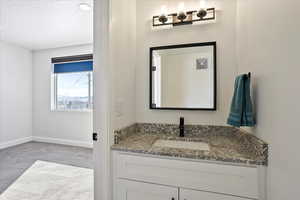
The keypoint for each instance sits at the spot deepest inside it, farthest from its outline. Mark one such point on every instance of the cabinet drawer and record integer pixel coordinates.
(198, 195)
(132, 190)
(226, 179)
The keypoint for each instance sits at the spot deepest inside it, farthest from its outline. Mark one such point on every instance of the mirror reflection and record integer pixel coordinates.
(183, 77)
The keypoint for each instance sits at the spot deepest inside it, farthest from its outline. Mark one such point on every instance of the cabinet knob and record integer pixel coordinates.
(173, 198)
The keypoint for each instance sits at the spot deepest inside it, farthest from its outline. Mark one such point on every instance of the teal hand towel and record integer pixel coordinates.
(241, 111)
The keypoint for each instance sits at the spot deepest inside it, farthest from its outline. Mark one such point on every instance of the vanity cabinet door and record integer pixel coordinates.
(186, 194)
(133, 190)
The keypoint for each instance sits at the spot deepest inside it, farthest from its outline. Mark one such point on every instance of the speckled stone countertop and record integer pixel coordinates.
(227, 144)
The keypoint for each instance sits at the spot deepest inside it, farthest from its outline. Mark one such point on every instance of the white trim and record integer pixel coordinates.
(15, 142)
(12, 143)
(63, 141)
(103, 85)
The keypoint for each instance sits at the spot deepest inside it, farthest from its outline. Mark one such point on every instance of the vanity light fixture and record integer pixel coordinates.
(183, 17)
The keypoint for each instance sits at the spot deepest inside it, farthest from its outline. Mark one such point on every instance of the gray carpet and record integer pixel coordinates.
(15, 160)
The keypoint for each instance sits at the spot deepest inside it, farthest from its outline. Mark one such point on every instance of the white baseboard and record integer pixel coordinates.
(12, 143)
(15, 142)
(63, 141)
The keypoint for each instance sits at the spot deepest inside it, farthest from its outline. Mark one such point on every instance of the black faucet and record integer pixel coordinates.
(181, 127)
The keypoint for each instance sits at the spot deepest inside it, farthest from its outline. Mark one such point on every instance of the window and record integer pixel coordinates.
(72, 86)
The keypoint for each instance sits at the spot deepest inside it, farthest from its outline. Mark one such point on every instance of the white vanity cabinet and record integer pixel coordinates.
(140, 176)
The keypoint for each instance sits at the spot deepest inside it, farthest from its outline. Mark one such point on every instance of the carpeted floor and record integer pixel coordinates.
(14, 161)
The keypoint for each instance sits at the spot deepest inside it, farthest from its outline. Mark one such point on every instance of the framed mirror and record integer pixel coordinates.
(183, 77)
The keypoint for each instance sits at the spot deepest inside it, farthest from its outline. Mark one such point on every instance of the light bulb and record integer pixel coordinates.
(163, 15)
(202, 12)
(181, 13)
(181, 7)
(203, 4)
(163, 10)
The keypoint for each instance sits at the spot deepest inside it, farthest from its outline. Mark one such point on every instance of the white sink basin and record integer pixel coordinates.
(182, 145)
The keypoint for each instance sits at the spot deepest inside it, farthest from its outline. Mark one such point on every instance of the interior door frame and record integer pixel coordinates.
(102, 100)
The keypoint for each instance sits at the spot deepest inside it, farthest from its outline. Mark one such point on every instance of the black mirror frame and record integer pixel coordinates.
(214, 44)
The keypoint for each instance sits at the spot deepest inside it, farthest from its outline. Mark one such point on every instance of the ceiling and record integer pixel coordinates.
(43, 24)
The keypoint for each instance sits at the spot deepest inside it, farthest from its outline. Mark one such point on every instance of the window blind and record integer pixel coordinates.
(77, 63)
(73, 67)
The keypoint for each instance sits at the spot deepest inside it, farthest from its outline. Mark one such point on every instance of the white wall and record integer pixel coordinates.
(15, 95)
(224, 32)
(67, 127)
(268, 46)
(123, 51)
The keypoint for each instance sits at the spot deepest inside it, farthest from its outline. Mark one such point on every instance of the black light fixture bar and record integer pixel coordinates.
(211, 15)
(72, 58)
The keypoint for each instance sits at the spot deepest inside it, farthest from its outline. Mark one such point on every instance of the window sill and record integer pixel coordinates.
(80, 111)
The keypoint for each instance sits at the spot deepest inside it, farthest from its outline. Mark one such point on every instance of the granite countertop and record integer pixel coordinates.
(227, 144)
